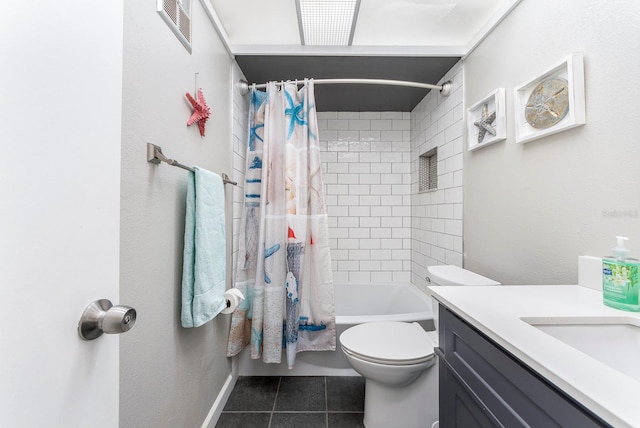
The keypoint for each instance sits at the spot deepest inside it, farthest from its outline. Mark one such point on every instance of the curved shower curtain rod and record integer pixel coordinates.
(445, 88)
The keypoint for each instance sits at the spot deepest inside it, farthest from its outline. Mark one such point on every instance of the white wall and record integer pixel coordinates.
(436, 216)
(170, 376)
(366, 173)
(531, 209)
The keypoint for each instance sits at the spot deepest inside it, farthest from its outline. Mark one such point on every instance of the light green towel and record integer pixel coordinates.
(205, 251)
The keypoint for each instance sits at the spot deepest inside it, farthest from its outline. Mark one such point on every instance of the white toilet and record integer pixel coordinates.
(398, 362)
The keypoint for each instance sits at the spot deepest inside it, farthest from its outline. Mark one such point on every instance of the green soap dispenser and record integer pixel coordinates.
(620, 288)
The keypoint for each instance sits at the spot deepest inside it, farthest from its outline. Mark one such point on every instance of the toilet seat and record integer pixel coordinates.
(388, 342)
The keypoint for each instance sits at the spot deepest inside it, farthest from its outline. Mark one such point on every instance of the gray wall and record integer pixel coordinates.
(170, 376)
(531, 209)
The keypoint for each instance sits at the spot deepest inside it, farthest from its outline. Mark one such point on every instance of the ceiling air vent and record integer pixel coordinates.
(327, 22)
(177, 15)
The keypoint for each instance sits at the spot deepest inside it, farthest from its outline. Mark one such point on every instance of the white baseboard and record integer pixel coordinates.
(218, 405)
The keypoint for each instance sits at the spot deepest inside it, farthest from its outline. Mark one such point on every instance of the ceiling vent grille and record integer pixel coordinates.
(327, 22)
(177, 15)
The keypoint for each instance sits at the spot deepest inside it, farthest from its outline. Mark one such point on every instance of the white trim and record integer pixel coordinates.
(294, 50)
(354, 21)
(215, 411)
(217, 24)
(299, 15)
(496, 19)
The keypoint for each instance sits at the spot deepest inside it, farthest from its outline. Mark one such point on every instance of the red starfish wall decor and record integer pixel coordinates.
(201, 111)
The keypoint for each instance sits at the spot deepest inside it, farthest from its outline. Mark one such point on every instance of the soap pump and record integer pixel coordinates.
(620, 285)
(619, 251)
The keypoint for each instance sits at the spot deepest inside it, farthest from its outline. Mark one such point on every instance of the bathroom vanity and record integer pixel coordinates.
(502, 361)
(483, 385)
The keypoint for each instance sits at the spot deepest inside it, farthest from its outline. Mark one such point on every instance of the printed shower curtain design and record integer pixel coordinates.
(284, 263)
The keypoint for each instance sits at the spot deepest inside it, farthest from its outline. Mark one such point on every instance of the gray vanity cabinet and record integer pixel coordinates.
(482, 385)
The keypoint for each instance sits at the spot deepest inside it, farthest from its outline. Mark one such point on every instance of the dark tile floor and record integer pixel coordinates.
(295, 402)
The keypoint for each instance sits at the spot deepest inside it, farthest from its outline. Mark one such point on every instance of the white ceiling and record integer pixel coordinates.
(413, 40)
(424, 23)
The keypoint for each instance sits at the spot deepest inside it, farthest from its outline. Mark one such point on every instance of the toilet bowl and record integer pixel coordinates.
(395, 359)
(398, 362)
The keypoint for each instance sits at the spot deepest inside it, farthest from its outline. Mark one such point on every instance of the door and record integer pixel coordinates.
(60, 132)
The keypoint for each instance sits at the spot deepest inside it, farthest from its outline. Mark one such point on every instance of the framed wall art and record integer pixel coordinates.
(552, 102)
(486, 123)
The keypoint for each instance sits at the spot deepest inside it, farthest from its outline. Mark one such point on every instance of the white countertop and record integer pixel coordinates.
(497, 312)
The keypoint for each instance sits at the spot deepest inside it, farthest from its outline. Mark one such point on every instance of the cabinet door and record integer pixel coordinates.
(458, 408)
(509, 390)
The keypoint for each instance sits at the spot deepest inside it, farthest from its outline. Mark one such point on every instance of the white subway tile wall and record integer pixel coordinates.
(381, 229)
(367, 174)
(436, 228)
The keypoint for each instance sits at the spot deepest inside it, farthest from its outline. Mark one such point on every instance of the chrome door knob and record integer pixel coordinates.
(102, 317)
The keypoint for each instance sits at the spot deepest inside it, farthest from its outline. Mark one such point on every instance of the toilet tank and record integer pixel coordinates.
(454, 275)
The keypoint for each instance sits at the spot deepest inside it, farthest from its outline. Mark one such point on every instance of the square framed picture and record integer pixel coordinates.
(551, 102)
(486, 122)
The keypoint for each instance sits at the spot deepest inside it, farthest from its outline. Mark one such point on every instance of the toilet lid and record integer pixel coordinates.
(388, 342)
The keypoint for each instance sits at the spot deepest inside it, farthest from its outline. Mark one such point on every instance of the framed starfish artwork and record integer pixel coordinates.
(551, 102)
(486, 122)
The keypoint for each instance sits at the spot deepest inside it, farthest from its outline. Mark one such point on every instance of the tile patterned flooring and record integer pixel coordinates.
(295, 402)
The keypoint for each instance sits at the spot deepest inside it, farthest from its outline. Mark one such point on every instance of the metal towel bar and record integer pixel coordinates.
(155, 155)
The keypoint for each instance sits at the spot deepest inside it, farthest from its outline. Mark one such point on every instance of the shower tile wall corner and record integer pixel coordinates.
(239, 142)
(436, 228)
(366, 169)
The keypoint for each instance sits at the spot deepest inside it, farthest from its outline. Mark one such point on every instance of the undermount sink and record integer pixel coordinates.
(614, 341)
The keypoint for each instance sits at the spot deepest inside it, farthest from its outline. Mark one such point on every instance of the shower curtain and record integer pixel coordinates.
(284, 263)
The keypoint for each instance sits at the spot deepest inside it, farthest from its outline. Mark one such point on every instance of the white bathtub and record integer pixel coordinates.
(355, 304)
